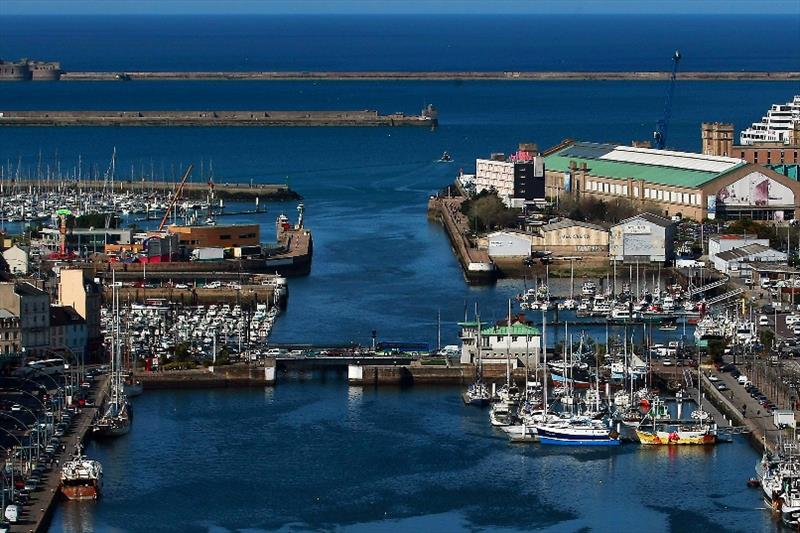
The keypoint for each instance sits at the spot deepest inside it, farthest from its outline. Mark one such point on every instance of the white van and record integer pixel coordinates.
(742, 380)
(763, 320)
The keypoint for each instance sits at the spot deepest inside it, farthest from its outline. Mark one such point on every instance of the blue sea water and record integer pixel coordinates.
(321, 455)
(436, 42)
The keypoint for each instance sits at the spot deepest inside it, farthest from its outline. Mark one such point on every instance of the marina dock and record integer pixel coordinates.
(213, 118)
(424, 75)
(37, 512)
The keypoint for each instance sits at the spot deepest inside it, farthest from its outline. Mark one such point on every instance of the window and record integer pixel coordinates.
(636, 191)
(224, 237)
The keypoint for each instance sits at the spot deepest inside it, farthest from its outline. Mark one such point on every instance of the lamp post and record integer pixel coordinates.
(22, 446)
(25, 426)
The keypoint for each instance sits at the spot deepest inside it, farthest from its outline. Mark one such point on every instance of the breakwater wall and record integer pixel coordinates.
(210, 378)
(429, 75)
(478, 268)
(227, 190)
(212, 118)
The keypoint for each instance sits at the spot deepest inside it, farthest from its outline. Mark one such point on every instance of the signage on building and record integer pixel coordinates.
(574, 236)
(636, 229)
(585, 248)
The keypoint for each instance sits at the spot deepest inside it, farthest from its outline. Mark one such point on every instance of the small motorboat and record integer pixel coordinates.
(446, 158)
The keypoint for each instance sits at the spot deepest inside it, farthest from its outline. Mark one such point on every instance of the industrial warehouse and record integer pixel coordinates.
(686, 184)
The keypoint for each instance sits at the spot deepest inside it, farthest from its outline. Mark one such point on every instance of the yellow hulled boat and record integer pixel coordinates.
(677, 436)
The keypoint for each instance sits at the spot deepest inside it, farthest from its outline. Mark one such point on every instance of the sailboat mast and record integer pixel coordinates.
(544, 351)
(508, 346)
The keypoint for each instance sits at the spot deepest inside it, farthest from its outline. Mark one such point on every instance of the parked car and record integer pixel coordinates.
(722, 387)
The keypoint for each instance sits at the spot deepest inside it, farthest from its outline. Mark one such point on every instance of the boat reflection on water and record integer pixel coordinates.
(78, 516)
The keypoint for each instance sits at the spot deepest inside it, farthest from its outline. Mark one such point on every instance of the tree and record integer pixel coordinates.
(716, 349)
(182, 352)
(487, 211)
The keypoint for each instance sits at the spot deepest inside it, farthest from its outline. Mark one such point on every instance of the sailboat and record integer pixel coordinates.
(130, 385)
(118, 413)
(477, 393)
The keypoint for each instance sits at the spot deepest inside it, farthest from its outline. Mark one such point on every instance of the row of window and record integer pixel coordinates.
(769, 157)
(672, 196)
(649, 193)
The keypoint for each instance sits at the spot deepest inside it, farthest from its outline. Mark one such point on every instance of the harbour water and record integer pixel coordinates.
(314, 453)
(317, 454)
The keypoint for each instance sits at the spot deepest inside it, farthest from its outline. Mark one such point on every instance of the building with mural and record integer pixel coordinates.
(691, 185)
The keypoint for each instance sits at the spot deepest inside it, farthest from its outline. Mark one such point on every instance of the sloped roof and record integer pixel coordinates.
(665, 167)
(650, 217)
(568, 223)
(64, 315)
(516, 329)
(745, 252)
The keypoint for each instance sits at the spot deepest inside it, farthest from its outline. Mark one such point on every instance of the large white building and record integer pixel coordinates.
(516, 179)
(17, 260)
(643, 238)
(736, 261)
(723, 243)
(508, 243)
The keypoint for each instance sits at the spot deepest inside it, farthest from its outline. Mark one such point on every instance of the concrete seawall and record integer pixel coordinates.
(234, 191)
(212, 118)
(430, 75)
(478, 268)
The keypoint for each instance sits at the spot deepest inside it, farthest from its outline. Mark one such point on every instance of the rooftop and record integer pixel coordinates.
(516, 329)
(568, 223)
(744, 252)
(5, 313)
(650, 217)
(64, 316)
(665, 167)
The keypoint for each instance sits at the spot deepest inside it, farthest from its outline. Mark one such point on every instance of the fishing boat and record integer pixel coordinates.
(654, 432)
(668, 325)
(446, 158)
(477, 394)
(81, 478)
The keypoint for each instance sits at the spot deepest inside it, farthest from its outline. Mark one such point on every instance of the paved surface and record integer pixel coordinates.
(738, 403)
(35, 514)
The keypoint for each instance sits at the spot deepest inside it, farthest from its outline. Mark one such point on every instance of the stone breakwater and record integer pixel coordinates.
(211, 118)
(430, 75)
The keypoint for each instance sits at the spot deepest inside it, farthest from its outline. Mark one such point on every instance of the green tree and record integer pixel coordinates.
(182, 353)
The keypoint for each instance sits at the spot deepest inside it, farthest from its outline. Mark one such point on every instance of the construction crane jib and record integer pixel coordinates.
(175, 196)
(660, 135)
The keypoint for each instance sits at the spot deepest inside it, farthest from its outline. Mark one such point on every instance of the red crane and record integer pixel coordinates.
(175, 196)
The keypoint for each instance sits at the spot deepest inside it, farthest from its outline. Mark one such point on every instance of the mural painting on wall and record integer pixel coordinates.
(755, 189)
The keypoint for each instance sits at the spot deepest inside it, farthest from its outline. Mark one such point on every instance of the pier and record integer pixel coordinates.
(427, 75)
(477, 265)
(37, 512)
(227, 190)
(213, 118)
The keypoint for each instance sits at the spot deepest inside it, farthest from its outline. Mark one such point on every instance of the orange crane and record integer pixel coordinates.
(175, 196)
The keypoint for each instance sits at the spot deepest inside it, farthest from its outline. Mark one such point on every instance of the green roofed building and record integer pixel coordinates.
(521, 341)
(692, 185)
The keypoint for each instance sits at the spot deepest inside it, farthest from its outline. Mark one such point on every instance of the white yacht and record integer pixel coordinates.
(776, 127)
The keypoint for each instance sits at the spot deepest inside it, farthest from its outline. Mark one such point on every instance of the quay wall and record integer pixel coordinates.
(211, 118)
(445, 210)
(429, 75)
(219, 377)
(40, 507)
(242, 191)
(249, 295)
